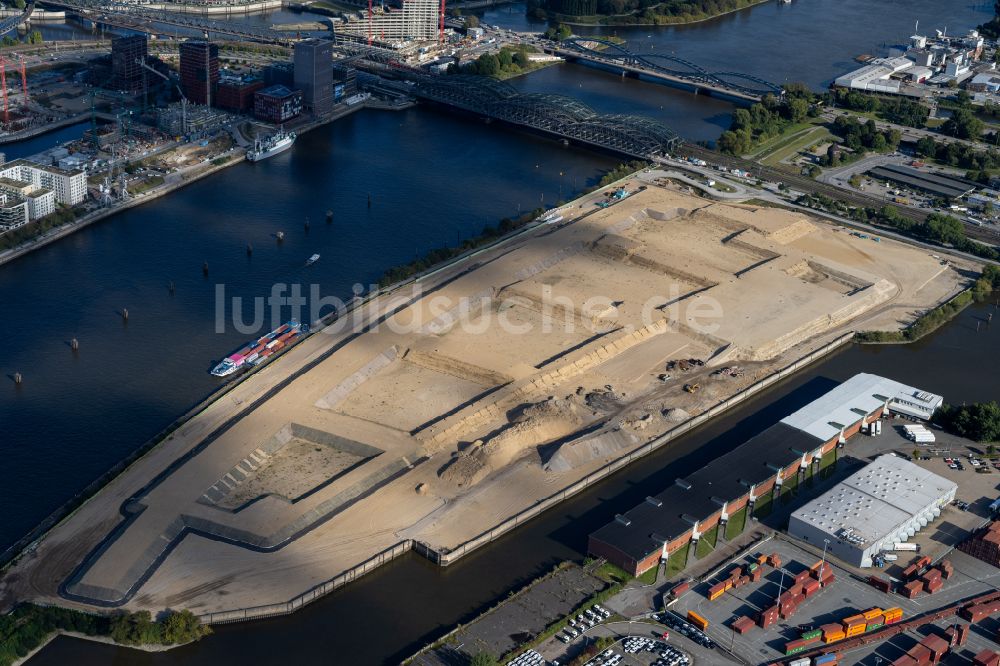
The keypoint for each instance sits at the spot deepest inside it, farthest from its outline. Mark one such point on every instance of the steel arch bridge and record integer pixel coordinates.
(562, 116)
(673, 66)
(11, 23)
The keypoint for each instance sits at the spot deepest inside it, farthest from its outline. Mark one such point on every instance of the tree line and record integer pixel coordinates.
(638, 11)
(28, 625)
(767, 119)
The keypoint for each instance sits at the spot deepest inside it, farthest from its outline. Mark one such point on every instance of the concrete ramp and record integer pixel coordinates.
(341, 392)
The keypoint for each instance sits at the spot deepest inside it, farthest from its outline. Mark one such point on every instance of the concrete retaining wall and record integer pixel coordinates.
(444, 557)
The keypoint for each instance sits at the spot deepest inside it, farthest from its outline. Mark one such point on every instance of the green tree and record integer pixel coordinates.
(471, 21)
(20, 4)
(798, 109)
(483, 659)
(35, 37)
(521, 58)
(506, 58)
(564, 32)
(963, 124)
(855, 180)
(488, 64)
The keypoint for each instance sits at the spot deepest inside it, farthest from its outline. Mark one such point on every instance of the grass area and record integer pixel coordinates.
(763, 507)
(827, 464)
(796, 145)
(706, 544)
(677, 560)
(789, 134)
(648, 577)
(737, 523)
(611, 573)
(147, 185)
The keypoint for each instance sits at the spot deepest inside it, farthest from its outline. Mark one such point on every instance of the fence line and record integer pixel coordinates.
(444, 556)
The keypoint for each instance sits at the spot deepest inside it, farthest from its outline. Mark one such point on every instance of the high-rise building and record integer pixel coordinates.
(126, 54)
(314, 74)
(277, 104)
(199, 71)
(418, 20)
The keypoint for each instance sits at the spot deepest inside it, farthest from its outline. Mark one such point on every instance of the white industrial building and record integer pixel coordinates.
(883, 504)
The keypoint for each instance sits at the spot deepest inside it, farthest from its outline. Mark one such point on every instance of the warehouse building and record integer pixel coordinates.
(883, 504)
(787, 452)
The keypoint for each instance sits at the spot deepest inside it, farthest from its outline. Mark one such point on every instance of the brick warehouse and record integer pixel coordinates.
(667, 522)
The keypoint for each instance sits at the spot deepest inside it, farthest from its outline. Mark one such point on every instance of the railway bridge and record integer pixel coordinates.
(664, 67)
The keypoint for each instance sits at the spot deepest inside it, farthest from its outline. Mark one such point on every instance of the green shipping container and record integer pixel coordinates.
(752, 567)
(814, 633)
(873, 627)
(791, 651)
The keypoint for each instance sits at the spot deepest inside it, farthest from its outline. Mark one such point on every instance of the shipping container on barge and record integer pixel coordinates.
(258, 352)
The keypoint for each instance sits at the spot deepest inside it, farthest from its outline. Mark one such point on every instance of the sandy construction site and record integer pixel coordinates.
(511, 376)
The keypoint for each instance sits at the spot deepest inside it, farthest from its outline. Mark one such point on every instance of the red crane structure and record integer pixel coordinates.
(441, 28)
(24, 83)
(3, 82)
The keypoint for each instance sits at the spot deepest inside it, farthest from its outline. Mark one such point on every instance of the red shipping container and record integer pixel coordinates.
(679, 589)
(802, 575)
(905, 660)
(757, 574)
(951, 633)
(744, 580)
(765, 621)
(879, 583)
(774, 560)
(932, 586)
(986, 658)
(963, 634)
(920, 653)
(923, 562)
(742, 625)
(735, 572)
(937, 645)
(947, 573)
(810, 587)
(910, 571)
(932, 574)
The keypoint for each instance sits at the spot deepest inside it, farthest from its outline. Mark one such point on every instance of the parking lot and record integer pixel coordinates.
(846, 596)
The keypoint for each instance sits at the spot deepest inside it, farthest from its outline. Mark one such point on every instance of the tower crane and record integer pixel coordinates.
(184, 100)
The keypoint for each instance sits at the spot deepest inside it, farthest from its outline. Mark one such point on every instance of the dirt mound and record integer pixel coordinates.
(531, 425)
(675, 415)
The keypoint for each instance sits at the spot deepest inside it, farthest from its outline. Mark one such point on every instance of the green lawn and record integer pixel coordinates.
(677, 561)
(795, 145)
(706, 544)
(763, 507)
(737, 523)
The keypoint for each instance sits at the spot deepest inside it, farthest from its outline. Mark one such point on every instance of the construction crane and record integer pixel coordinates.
(184, 100)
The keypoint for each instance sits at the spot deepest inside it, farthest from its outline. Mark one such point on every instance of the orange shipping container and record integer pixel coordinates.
(874, 612)
(833, 637)
(855, 629)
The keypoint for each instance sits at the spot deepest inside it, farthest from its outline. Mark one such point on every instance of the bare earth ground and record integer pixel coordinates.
(476, 405)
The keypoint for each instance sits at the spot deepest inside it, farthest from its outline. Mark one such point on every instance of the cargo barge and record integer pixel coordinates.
(259, 351)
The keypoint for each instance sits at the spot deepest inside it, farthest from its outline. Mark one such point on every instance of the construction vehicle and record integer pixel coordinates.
(692, 388)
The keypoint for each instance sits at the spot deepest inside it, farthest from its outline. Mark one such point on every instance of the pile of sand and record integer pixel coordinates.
(791, 233)
(530, 426)
(675, 415)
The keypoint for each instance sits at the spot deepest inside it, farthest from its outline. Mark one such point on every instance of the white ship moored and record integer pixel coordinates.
(272, 145)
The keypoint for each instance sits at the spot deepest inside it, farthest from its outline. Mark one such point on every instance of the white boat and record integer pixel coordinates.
(312, 260)
(270, 146)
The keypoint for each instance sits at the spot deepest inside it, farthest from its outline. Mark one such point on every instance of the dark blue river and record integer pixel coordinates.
(433, 177)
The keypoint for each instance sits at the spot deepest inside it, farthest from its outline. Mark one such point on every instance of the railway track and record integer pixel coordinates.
(805, 184)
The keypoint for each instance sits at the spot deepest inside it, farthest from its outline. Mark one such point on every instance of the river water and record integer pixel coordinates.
(433, 177)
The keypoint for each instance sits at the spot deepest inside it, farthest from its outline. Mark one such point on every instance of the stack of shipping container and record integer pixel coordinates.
(872, 619)
(986, 658)
(984, 544)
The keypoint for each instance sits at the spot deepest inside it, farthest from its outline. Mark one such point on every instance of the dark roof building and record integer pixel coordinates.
(277, 104)
(126, 54)
(949, 187)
